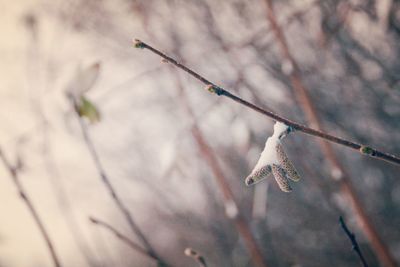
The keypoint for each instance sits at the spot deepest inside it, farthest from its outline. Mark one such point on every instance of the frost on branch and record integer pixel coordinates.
(274, 160)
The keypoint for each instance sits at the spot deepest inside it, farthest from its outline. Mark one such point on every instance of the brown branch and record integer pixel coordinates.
(231, 208)
(111, 190)
(125, 239)
(353, 241)
(212, 87)
(337, 170)
(13, 171)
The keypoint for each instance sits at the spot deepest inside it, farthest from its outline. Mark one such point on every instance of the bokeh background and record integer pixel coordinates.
(347, 52)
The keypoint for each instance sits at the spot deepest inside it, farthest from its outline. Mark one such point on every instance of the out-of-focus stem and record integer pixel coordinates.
(125, 239)
(111, 190)
(353, 241)
(13, 171)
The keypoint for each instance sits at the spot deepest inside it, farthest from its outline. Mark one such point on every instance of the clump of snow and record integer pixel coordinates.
(274, 159)
(268, 155)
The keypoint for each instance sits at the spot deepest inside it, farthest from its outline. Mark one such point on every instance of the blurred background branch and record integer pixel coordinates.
(13, 172)
(111, 190)
(125, 239)
(353, 241)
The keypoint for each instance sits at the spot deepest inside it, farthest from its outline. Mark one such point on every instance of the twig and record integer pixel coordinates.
(125, 239)
(353, 241)
(107, 183)
(213, 88)
(196, 256)
(337, 171)
(13, 171)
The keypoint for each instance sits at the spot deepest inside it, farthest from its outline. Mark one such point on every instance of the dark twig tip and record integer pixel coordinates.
(138, 44)
(354, 244)
(93, 220)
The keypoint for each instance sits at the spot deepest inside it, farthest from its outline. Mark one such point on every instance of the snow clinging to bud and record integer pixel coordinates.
(269, 156)
(274, 160)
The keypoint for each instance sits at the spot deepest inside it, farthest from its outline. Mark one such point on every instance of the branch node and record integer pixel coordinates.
(285, 133)
(366, 150)
(214, 89)
(138, 44)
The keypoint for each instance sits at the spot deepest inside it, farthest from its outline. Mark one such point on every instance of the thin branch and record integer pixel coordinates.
(337, 171)
(353, 241)
(213, 88)
(111, 190)
(125, 239)
(13, 171)
(196, 256)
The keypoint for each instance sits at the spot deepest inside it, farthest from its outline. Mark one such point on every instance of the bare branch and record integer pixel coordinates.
(13, 171)
(213, 88)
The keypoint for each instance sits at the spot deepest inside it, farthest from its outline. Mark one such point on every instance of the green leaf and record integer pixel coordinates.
(89, 110)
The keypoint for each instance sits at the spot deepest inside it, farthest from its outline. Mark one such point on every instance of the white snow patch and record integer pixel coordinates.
(268, 155)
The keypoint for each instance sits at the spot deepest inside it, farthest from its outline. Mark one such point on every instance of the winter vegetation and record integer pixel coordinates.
(229, 133)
